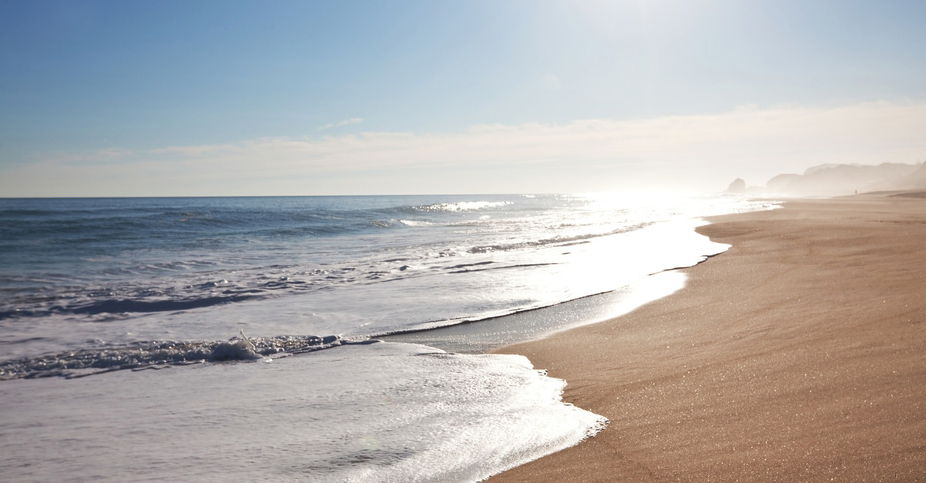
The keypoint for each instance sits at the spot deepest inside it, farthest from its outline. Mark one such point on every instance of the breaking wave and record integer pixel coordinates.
(463, 206)
(161, 354)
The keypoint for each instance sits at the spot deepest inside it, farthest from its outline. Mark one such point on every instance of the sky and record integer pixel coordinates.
(232, 97)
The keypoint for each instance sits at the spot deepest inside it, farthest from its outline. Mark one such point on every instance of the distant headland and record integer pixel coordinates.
(841, 179)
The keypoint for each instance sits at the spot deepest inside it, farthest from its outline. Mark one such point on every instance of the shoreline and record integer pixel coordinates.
(656, 275)
(797, 354)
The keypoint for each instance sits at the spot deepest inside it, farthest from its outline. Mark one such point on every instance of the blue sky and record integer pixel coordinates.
(103, 98)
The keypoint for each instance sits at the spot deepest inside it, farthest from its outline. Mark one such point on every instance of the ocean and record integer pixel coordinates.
(312, 338)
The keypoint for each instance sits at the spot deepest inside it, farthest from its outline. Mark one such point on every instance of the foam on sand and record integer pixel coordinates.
(325, 416)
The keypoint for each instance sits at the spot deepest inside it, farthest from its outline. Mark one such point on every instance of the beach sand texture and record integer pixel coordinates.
(797, 355)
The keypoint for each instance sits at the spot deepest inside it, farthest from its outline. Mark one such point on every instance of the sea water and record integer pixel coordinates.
(240, 337)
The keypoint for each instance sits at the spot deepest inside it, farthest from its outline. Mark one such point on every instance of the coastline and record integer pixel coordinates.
(799, 354)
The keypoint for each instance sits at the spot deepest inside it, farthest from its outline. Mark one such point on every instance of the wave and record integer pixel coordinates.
(162, 354)
(171, 285)
(463, 206)
(557, 240)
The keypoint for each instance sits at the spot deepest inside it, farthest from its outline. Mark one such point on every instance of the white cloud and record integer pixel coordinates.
(346, 122)
(701, 152)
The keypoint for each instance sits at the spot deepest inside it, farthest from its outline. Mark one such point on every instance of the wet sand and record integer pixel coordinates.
(797, 355)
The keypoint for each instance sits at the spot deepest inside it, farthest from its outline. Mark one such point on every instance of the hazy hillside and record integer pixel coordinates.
(916, 180)
(841, 179)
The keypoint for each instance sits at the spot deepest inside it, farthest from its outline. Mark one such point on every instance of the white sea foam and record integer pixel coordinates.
(414, 223)
(378, 412)
(464, 206)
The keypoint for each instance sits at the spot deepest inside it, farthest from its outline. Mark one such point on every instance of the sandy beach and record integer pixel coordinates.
(797, 355)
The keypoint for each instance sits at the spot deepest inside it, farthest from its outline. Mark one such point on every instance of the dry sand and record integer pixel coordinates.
(797, 355)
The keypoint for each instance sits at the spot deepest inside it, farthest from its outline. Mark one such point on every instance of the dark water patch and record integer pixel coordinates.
(22, 341)
(144, 306)
(465, 265)
(507, 267)
(124, 306)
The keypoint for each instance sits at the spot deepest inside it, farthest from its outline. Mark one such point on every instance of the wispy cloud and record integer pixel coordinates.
(346, 122)
(699, 151)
